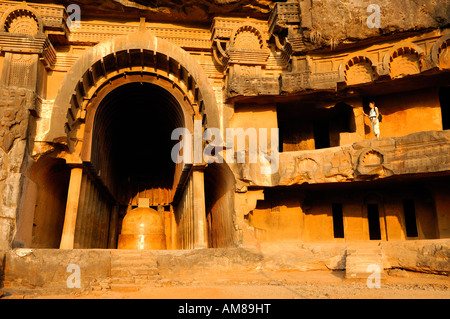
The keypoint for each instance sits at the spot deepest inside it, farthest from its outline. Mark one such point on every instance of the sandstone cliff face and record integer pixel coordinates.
(333, 19)
(323, 23)
(203, 7)
(194, 11)
(330, 22)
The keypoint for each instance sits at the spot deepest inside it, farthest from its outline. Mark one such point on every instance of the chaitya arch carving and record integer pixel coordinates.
(247, 46)
(115, 110)
(358, 70)
(138, 54)
(403, 60)
(22, 19)
(440, 53)
(370, 162)
(247, 37)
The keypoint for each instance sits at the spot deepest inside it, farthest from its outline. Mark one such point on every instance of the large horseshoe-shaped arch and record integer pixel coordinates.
(135, 52)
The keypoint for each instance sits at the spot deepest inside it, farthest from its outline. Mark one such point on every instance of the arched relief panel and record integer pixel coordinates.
(247, 37)
(403, 60)
(370, 162)
(22, 19)
(247, 46)
(133, 53)
(440, 53)
(359, 70)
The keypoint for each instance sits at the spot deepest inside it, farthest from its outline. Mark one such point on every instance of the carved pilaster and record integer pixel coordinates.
(15, 106)
(23, 43)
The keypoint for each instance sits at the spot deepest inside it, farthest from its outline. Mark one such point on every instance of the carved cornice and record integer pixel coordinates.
(18, 43)
(93, 33)
(253, 86)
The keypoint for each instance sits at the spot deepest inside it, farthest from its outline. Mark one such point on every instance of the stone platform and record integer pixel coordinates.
(48, 270)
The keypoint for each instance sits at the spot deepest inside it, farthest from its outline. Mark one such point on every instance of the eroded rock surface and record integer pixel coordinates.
(172, 10)
(328, 22)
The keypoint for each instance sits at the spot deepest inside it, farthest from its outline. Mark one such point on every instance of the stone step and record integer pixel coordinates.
(133, 264)
(363, 275)
(120, 287)
(362, 247)
(137, 253)
(137, 276)
(136, 259)
(367, 256)
(362, 267)
(361, 258)
(124, 252)
(361, 264)
(364, 257)
(123, 280)
(134, 256)
(123, 272)
(363, 251)
(132, 280)
(358, 260)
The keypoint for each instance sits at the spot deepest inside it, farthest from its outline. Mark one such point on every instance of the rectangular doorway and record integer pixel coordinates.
(409, 211)
(373, 216)
(444, 98)
(338, 220)
(322, 134)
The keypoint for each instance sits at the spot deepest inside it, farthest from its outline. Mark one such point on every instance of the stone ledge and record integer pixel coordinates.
(427, 256)
(417, 153)
(46, 268)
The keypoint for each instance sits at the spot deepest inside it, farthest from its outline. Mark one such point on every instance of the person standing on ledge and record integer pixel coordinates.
(373, 116)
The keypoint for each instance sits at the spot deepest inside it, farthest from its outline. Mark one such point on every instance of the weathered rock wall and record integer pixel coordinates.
(171, 10)
(48, 268)
(421, 256)
(330, 22)
(15, 106)
(321, 20)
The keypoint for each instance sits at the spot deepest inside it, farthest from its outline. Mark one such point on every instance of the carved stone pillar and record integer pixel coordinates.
(112, 237)
(200, 225)
(73, 199)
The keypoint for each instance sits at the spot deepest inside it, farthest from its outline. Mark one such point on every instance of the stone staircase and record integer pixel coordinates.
(132, 269)
(359, 260)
